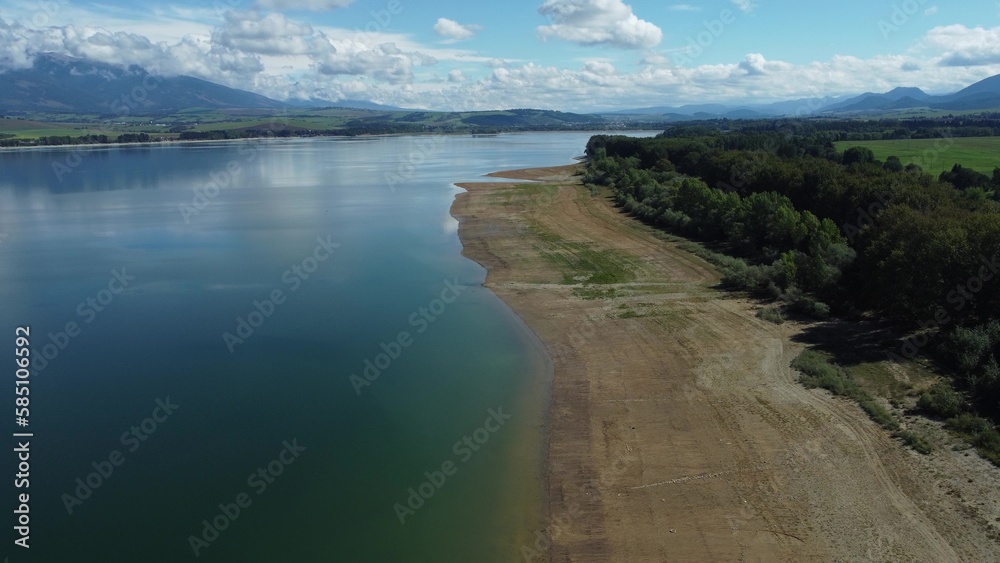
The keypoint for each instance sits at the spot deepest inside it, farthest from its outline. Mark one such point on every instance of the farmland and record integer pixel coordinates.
(937, 155)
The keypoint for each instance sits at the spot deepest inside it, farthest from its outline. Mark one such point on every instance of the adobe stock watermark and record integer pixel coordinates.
(958, 299)
(380, 20)
(122, 107)
(866, 216)
(464, 449)
(292, 278)
(259, 481)
(132, 439)
(421, 149)
(87, 310)
(562, 522)
(218, 180)
(135, 97)
(703, 40)
(223, 6)
(421, 320)
(902, 14)
(47, 9)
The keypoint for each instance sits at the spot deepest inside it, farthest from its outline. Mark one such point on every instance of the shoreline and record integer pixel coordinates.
(675, 429)
(169, 142)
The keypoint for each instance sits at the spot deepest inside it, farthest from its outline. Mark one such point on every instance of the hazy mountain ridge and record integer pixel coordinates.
(983, 95)
(59, 84)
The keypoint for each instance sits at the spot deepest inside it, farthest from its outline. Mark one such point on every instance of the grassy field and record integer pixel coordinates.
(26, 129)
(937, 155)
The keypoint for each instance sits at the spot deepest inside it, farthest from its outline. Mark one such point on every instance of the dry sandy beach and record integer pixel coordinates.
(676, 429)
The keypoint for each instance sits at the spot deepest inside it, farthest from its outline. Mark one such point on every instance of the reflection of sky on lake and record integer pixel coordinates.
(120, 208)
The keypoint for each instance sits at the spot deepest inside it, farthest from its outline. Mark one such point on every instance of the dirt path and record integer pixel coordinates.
(677, 431)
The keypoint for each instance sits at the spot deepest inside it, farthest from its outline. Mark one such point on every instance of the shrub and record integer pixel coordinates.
(914, 440)
(877, 412)
(968, 424)
(818, 372)
(771, 314)
(942, 401)
(980, 433)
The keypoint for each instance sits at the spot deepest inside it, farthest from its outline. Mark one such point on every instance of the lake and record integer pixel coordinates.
(269, 351)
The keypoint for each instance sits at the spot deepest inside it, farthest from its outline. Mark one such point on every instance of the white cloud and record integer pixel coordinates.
(312, 5)
(451, 29)
(599, 68)
(385, 62)
(274, 55)
(596, 22)
(931, 11)
(654, 59)
(753, 64)
(963, 46)
(745, 6)
(270, 34)
(685, 8)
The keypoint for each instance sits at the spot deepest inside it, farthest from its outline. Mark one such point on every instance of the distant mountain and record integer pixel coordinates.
(904, 97)
(990, 85)
(529, 118)
(983, 95)
(802, 106)
(63, 84)
(349, 104)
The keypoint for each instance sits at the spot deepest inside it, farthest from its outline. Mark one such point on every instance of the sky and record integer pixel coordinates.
(570, 55)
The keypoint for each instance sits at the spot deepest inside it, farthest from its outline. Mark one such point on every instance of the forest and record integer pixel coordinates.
(825, 233)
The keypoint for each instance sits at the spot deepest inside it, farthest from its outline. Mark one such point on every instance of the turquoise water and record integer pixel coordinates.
(311, 255)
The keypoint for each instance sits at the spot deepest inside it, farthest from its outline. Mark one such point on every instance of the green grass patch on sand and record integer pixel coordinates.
(937, 155)
(580, 262)
(817, 371)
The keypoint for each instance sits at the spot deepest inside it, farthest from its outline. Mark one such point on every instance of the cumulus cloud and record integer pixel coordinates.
(270, 34)
(753, 64)
(385, 62)
(275, 55)
(312, 5)
(597, 22)
(599, 68)
(451, 29)
(965, 46)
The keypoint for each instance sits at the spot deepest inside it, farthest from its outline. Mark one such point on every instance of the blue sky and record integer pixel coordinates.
(575, 55)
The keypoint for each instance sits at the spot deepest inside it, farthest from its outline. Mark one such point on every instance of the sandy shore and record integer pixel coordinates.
(676, 429)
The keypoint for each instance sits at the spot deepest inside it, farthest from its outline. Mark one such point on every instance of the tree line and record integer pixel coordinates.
(831, 232)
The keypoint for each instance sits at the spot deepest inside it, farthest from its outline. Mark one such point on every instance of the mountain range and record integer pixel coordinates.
(60, 84)
(983, 95)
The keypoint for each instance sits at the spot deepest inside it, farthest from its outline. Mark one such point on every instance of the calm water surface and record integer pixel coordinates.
(317, 257)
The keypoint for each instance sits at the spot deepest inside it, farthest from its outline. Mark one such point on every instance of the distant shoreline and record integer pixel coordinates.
(169, 142)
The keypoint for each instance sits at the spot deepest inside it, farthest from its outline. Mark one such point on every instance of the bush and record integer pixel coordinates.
(771, 314)
(941, 401)
(965, 348)
(980, 433)
(877, 412)
(818, 372)
(968, 424)
(914, 440)
(803, 303)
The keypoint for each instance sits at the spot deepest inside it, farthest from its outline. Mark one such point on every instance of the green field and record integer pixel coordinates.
(937, 155)
(26, 129)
